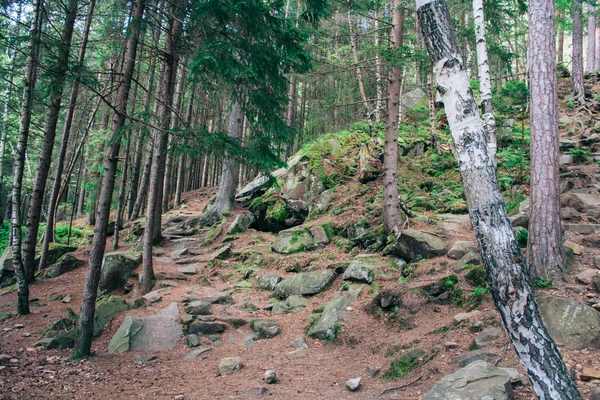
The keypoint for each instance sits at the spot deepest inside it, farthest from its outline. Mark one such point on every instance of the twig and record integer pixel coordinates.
(393, 389)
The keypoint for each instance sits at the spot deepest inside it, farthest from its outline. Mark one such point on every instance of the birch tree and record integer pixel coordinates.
(507, 274)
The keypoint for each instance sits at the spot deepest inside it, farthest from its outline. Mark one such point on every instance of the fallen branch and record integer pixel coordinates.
(393, 389)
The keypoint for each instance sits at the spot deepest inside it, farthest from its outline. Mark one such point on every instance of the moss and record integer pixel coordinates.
(329, 231)
(476, 276)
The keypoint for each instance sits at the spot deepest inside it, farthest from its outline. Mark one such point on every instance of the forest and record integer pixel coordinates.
(300, 199)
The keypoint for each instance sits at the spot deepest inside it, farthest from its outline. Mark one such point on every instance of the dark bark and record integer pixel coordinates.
(507, 274)
(90, 291)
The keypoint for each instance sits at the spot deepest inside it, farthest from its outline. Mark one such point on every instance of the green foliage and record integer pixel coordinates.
(542, 284)
(522, 236)
(477, 296)
(476, 276)
(580, 156)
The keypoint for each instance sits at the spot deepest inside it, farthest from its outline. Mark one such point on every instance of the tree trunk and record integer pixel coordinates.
(41, 177)
(545, 252)
(431, 102)
(90, 291)
(590, 60)
(507, 274)
(391, 208)
(561, 42)
(64, 141)
(19, 163)
(378, 80)
(578, 90)
(485, 81)
(597, 56)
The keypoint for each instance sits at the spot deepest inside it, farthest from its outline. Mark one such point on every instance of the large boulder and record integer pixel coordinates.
(55, 252)
(365, 267)
(412, 98)
(67, 263)
(300, 188)
(328, 325)
(369, 166)
(300, 239)
(412, 245)
(476, 381)
(305, 283)
(241, 223)
(106, 309)
(7, 270)
(573, 325)
(291, 304)
(116, 268)
(460, 248)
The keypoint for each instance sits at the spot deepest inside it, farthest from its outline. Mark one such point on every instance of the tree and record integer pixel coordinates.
(507, 274)
(90, 291)
(19, 163)
(485, 81)
(391, 206)
(578, 89)
(590, 59)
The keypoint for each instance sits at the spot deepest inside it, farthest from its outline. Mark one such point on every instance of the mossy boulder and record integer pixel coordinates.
(300, 239)
(366, 267)
(67, 263)
(305, 283)
(55, 252)
(107, 308)
(413, 245)
(7, 271)
(116, 268)
(241, 223)
(370, 166)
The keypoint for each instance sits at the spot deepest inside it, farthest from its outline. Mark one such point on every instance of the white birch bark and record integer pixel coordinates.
(507, 274)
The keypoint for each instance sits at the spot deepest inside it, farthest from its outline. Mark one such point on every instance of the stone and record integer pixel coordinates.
(221, 253)
(230, 364)
(271, 376)
(412, 245)
(235, 322)
(217, 298)
(196, 353)
(476, 381)
(595, 394)
(590, 201)
(178, 253)
(569, 213)
(296, 354)
(305, 283)
(106, 309)
(300, 239)
(198, 308)
(153, 297)
(520, 220)
(159, 331)
(7, 270)
(67, 263)
(389, 298)
(515, 376)
(258, 391)
(596, 282)
(188, 270)
(206, 328)
(328, 325)
(366, 267)
(116, 268)
(586, 275)
(241, 223)
(466, 317)
(299, 343)
(471, 258)
(412, 98)
(193, 340)
(583, 229)
(588, 373)
(597, 262)
(573, 325)
(269, 281)
(565, 159)
(373, 371)
(488, 336)
(261, 183)
(450, 345)
(265, 328)
(369, 166)
(577, 249)
(321, 203)
(145, 358)
(353, 384)
(291, 304)
(460, 248)
(67, 299)
(566, 144)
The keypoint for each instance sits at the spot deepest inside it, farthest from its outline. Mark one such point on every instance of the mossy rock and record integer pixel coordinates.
(106, 309)
(476, 276)
(67, 263)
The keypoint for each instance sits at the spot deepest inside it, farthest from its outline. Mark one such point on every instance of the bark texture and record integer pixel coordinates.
(590, 59)
(391, 207)
(578, 89)
(508, 277)
(90, 290)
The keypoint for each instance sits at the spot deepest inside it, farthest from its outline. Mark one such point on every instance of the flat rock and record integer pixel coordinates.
(217, 298)
(196, 353)
(590, 201)
(153, 297)
(265, 328)
(460, 248)
(586, 275)
(188, 270)
(476, 381)
(291, 304)
(221, 253)
(327, 325)
(299, 343)
(268, 281)
(577, 248)
(476, 355)
(412, 244)
(305, 283)
(488, 336)
(241, 223)
(67, 263)
(366, 267)
(206, 328)
(178, 253)
(296, 354)
(230, 364)
(300, 239)
(198, 308)
(584, 229)
(468, 316)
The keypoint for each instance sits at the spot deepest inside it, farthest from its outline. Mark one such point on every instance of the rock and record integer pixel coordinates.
(586, 275)
(565, 159)
(67, 263)
(263, 182)
(305, 283)
(588, 373)
(520, 220)
(412, 98)
(572, 201)
(153, 297)
(411, 245)
(258, 391)
(116, 268)
(365, 267)
(373, 371)
(300, 239)
(178, 253)
(369, 166)
(476, 326)
(193, 340)
(476, 381)
(241, 223)
(597, 262)
(63, 340)
(353, 384)
(389, 298)
(583, 229)
(235, 322)
(268, 281)
(271, 376)
(230, 364)
(145, 358)
(450, 345)
(197, 353)
(198, 308)
(577, 249)
(299, 343)
(154, 332)
(67, 299)
(488, 336)
(291, 304)
(265, 328)
(460, 248)
(328, 325)
(573, 325)
(596, 281)
(206, 328)
(321, 203)
(471, 258)
(590, 201)
(7, 270)
(569, 213)
(566, 144)
(296, 354)
(217, 298)
(188, 270)
(106, 309)
(468, 316)
(595, 394)
(221, 253)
